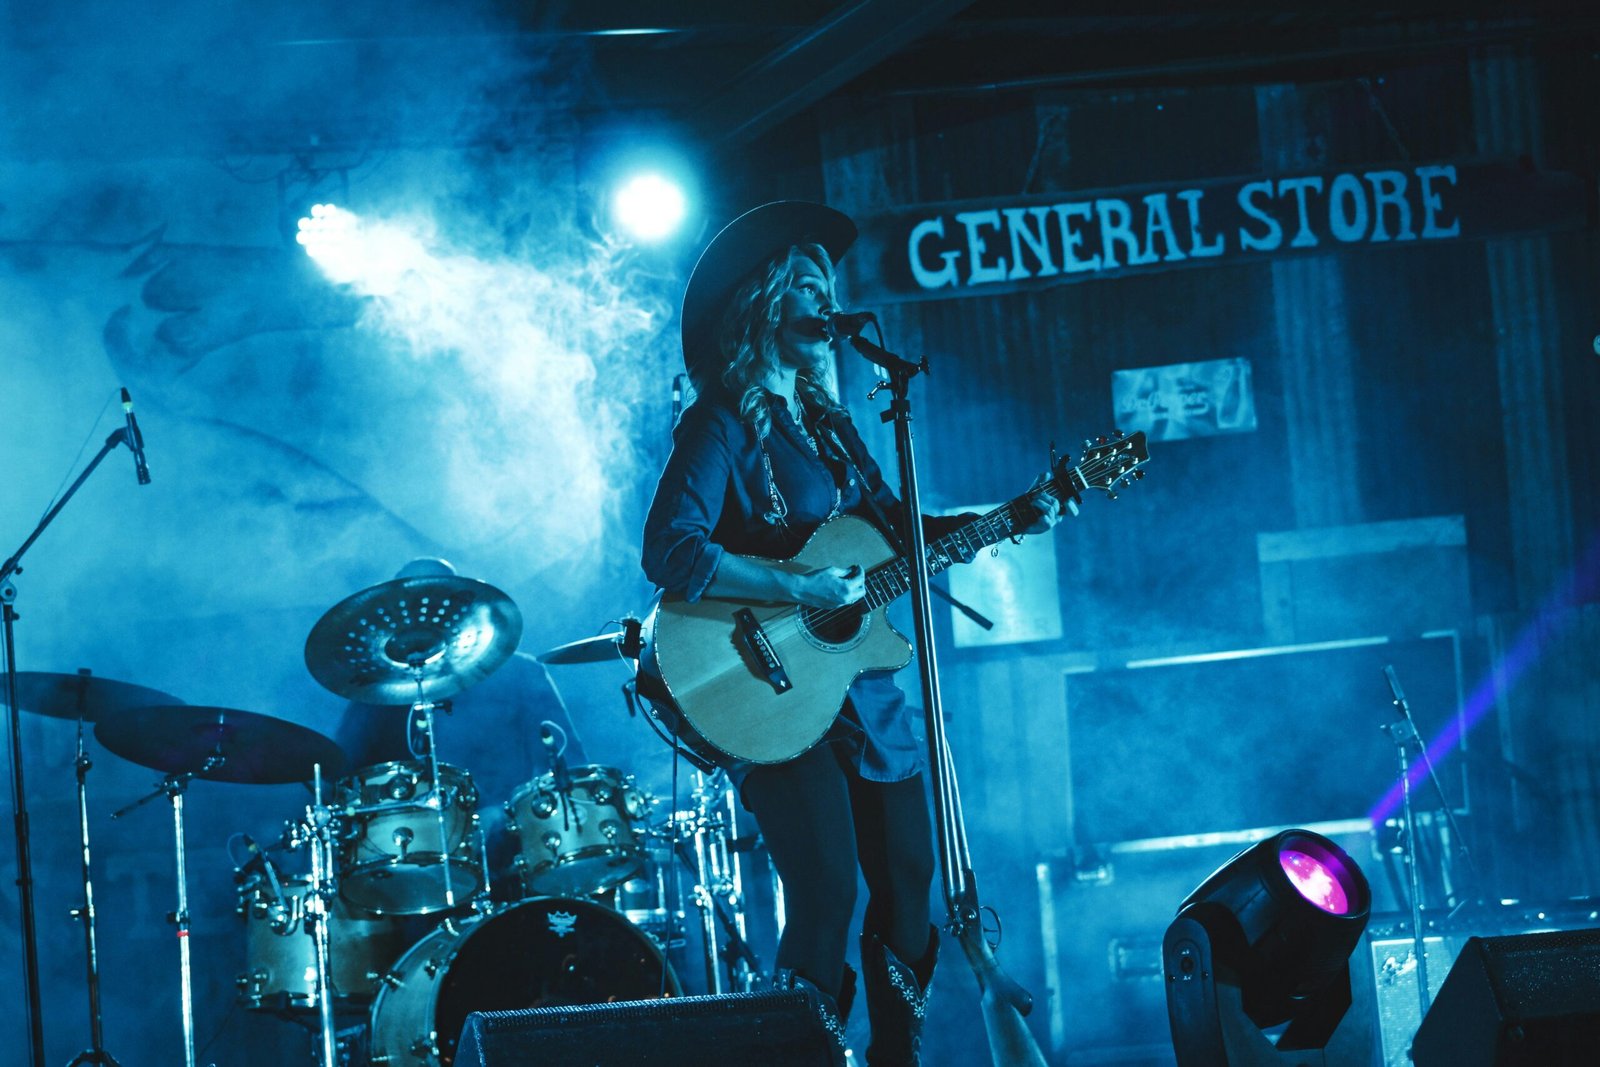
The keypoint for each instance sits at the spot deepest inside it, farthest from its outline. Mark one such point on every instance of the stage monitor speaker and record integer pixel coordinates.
(777, 1029)
(1531, 1000)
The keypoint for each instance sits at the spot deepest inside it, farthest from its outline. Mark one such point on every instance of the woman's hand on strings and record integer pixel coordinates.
(830, 587)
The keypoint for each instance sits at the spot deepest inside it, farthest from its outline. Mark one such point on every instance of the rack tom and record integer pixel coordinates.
(580, 840)
(396, 849)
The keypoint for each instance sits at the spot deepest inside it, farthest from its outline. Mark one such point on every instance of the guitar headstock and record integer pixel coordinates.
(1107, 464)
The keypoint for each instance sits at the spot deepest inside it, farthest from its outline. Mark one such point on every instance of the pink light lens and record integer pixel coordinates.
(1315, 880)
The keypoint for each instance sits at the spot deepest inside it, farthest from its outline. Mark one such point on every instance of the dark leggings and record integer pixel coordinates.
(819, 819)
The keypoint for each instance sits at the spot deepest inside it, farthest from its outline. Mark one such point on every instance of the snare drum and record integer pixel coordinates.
(281, 955)
(392, 860)
(538, 953)
(578, 841)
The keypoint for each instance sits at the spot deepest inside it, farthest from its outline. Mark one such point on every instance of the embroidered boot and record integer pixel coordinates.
(834, 1012)
(897, 998)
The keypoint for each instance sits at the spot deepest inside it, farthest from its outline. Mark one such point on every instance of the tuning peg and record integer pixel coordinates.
(1118, 434)
(1138, 475)
(1087, 444)
(1111, 494)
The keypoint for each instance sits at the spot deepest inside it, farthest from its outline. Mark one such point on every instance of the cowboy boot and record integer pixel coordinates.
(897, 998)
(833, 1012)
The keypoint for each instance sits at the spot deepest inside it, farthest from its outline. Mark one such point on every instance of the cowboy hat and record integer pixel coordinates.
(744, 245)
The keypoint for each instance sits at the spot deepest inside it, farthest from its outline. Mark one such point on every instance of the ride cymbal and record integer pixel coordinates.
(219, 744)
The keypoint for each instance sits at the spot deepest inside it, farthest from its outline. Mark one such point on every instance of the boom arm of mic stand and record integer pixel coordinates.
(19, 798)
(1404, 707)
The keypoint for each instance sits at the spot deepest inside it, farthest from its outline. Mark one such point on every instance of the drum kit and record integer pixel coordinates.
(596, 888)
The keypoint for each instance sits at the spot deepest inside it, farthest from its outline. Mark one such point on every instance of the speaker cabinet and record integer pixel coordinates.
(784, 1029)
(1532, 1000)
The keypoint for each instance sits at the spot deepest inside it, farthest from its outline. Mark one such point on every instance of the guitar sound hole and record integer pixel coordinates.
(833, 626)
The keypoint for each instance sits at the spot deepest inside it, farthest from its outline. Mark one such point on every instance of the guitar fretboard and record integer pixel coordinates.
(892, 580)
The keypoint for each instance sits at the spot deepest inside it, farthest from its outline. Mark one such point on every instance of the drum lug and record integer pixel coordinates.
(390, 979)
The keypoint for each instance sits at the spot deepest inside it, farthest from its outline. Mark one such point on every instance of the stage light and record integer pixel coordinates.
(326, 231)
(650, 206)
(1263, 946)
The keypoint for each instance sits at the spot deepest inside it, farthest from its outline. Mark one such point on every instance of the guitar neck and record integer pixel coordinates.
(892, 580)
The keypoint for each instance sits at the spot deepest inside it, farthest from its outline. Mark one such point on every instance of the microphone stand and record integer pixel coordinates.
(1403, 732)
(1004, 1001)
(19, 801)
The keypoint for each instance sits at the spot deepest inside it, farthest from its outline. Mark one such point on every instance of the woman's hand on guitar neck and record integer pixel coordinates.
(1047, 506)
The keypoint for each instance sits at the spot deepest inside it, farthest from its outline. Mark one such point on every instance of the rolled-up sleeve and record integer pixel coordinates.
(679, 555)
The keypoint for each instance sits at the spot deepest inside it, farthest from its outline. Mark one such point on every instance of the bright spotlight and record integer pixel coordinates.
(326, 231)
(1264, 942)
(650, 207)
(372, 254)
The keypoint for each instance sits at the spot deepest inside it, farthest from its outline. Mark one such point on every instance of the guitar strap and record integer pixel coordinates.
(842, 453)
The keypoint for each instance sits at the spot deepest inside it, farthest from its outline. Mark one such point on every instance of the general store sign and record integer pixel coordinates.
(968, 248)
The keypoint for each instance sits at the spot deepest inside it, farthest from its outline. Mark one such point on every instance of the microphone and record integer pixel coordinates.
(558, 763)
(841, 325)
(1399, 695)
(135, 439)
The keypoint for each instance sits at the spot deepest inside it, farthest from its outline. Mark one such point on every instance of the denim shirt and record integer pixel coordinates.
(713, 498)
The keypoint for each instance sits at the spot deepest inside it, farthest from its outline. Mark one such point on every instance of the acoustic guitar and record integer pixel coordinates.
(762, 682)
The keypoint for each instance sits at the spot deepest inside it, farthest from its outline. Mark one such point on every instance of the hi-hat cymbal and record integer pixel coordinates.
(424, 638)
(601, 648)
(625, 643)
(82, 696)
(219, 744)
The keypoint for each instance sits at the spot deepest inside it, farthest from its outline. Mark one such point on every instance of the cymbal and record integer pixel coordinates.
(599, 649)
(427, 638)
(240, 746)
(82, 696)
(625, 643)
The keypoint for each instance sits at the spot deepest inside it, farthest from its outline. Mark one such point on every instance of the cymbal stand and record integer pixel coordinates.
(173, 787)
(96, 1052)
(437, 798)
(318, 907)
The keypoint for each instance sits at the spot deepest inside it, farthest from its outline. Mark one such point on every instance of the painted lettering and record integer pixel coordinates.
(1274, 235)
(1072, 237)
(1116, 227)
(1197, 246)
(1034, 237)
(979, 273)
(1431, 202)
(1158, 220)
(1303, 237)
(1389, 190)
(1347, 208)
(930, 279)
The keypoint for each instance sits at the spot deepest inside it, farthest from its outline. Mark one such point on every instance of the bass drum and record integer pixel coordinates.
(542, 953)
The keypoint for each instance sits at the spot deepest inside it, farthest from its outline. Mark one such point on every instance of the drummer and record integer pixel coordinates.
(492, 731)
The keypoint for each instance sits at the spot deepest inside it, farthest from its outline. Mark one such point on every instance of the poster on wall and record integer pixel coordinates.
(1179, 400)
(1018, 590)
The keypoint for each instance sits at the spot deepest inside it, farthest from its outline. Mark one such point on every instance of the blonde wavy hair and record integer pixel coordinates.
(748, 338)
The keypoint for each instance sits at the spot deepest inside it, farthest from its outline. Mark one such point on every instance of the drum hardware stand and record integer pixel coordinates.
(173, 787)
(19, 801)
(438, 799)
(318, 905)
(96, 1052)
(718, 873)
(1004, 1000)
